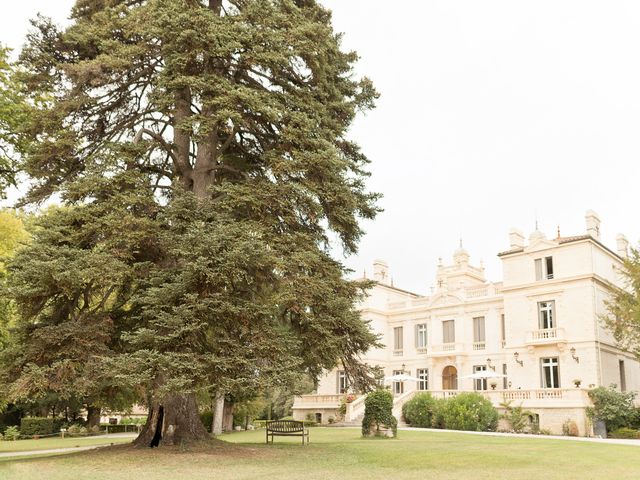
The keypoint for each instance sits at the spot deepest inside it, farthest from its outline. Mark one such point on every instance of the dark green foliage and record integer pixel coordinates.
(378, 413)
(133, 421)
(30, 426)
(419, 411)
(438, 413)
(118, 428)
(203, 153)
(206, 417)
(625, 432)
(245, 412)
(71, 288)
(10, 415)
(623, 317)
(13, 115)
(616, 409)
(469, 411)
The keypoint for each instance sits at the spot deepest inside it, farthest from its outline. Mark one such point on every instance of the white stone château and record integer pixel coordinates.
(541, 327)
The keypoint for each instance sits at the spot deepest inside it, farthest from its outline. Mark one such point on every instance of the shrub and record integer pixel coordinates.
(30, 426)
(378, 412)
(116, 428)
(570, 428)
(133, 421)
(245, 412)
(437, 419)
(625, 432)
(11, 433)
(615, 409)
(259, 423)
(206, 417)
(470, 411)
(420, 410)
(77, 431)
(517, 417)
(342, 409)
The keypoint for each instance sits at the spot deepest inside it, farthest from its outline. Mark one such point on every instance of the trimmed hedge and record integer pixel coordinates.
(465, 411)
(626, 433)
(30, 426)
(118, 428)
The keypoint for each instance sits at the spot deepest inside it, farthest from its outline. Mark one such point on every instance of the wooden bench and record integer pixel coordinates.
(286, 428)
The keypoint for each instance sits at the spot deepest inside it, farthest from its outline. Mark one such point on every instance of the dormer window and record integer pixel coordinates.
(544, 268)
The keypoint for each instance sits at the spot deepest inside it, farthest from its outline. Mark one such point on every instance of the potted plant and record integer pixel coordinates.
(577, 382)
(493, 385)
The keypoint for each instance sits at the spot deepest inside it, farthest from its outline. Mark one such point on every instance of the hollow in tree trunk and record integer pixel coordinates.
(172, 421)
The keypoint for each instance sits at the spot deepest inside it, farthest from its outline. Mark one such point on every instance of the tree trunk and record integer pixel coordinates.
(172, 421)
(218, 415)
(227, 417)
(93, 416)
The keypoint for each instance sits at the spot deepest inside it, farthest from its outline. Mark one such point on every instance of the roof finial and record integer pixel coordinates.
(535, 213)
(558, 231)
(460, 242)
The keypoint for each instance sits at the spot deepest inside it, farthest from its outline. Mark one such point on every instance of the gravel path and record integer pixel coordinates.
(29, 453)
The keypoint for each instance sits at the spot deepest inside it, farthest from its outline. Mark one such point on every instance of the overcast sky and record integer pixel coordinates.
(492, 112)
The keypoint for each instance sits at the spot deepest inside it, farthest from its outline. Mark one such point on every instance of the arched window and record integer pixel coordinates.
(450, 378)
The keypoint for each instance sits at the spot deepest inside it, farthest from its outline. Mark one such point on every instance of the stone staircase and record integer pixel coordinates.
(355, 411)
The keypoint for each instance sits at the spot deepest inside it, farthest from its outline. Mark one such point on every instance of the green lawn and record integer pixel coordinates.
(57, 442)
(341, 454)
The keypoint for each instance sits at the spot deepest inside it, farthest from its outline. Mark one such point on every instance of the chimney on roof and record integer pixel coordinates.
(593, 224)
(623, 245)
(516, 238)
(381, 272)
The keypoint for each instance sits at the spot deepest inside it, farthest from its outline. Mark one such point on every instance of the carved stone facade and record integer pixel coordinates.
(540, 327)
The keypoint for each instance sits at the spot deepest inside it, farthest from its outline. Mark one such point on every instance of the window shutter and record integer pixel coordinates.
(415, 332)
(538, 264)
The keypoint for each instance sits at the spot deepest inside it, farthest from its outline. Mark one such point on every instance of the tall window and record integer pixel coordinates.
(398, 387)
(480, 383)
(623, 377)
(544, 268)
(503, 331)
(550, 372)
(421, 336)
(342, 382)
(448, 331)
(478, 333)
(505, 382)
(423, 378)
(546, 314)
(397, 339)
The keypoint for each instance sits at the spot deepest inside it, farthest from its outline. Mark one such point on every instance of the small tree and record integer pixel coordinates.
(378, 412)
(517, 417)
(420, 410)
